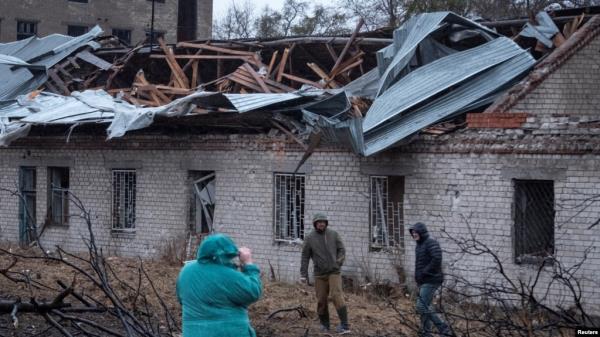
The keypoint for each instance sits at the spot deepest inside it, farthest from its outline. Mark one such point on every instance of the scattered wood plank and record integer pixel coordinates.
(347, 46)
(243, 81)
(302, 80)
(178, 73)
(142, 84)
(281, 67)
(323, 75)
(256, 77)
(194, 82)
(290, 134)
(217, 49)
(332, 52)
(272, 63)
(59, 82)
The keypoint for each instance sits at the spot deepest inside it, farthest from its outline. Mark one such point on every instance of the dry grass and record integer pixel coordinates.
(369, 315)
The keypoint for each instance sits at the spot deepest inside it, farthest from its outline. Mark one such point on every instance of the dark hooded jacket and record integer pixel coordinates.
(326, 250)
(428, 257)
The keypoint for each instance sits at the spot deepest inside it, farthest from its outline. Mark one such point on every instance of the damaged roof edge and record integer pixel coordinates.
(541, 71)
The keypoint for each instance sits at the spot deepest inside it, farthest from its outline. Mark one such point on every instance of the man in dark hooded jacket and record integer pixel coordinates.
(324, 246)
(429, 277)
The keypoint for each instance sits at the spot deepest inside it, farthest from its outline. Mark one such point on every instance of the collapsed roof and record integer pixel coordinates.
(377, 93)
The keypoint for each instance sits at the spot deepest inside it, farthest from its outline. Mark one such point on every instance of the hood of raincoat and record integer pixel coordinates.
(217, 248)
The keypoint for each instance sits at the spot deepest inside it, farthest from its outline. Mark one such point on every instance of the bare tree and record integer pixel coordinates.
(292, 12)
(268, 23)
(377, 13)
(323, 21)
(237, 23)
(547, 300)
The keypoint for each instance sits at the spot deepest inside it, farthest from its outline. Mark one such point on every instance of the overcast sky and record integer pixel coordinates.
(220, 6)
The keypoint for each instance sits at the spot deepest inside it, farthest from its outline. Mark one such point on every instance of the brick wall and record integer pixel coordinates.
(53, 16)
(442, 190)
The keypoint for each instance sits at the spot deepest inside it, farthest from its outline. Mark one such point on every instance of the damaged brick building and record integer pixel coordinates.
(530, 159)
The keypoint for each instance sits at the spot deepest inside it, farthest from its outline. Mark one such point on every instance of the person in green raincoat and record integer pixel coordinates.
(214, 294)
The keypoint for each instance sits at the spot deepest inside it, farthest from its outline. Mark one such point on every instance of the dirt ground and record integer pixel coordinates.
(369, 314)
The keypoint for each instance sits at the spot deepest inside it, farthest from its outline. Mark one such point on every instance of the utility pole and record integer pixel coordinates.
(152, 29)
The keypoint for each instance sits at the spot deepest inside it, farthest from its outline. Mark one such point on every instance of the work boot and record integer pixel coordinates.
(324, 319)
(343, 328)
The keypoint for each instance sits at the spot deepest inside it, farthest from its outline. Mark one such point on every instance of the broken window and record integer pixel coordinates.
(58, 196)
(26, 29)
(534, 219)
(202, 201)
(27, 204)
(123, 35)
(123, 206)
(289, 206)
(76, 30)
(387, 212)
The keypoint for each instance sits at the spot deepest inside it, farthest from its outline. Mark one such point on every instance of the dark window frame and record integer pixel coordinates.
(124, 200)
(58, 194)
(201, 215)
(534, 220)
(118, 32)
(80, 1)
(289, 206)
(386, 212)
(70, 28)
(23, 31)
(27, 203)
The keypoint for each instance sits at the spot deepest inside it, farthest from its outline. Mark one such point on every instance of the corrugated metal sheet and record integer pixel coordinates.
(40, 54)
(544, 31)
(249, 102)
(430, 80)
(406, 40)
(93, 59)
(478, 91)
(410, 35)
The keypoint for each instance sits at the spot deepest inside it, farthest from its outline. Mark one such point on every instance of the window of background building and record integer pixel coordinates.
(82, 1)
(534, 220)
(123, 35)
(124, 195)
(288, 206)
(386, 212)
(26, 29)
(75, 30)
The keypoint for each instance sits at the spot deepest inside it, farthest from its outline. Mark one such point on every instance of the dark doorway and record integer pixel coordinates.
(187, 20)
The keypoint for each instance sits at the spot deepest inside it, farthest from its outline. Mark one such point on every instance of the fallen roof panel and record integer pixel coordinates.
(429, 80)
(457, 101)
(40, 54)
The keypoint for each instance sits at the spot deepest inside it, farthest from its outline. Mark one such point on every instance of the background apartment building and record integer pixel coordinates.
(130, 20)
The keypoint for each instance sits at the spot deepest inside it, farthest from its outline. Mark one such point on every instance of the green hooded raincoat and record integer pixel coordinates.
(214, 295)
